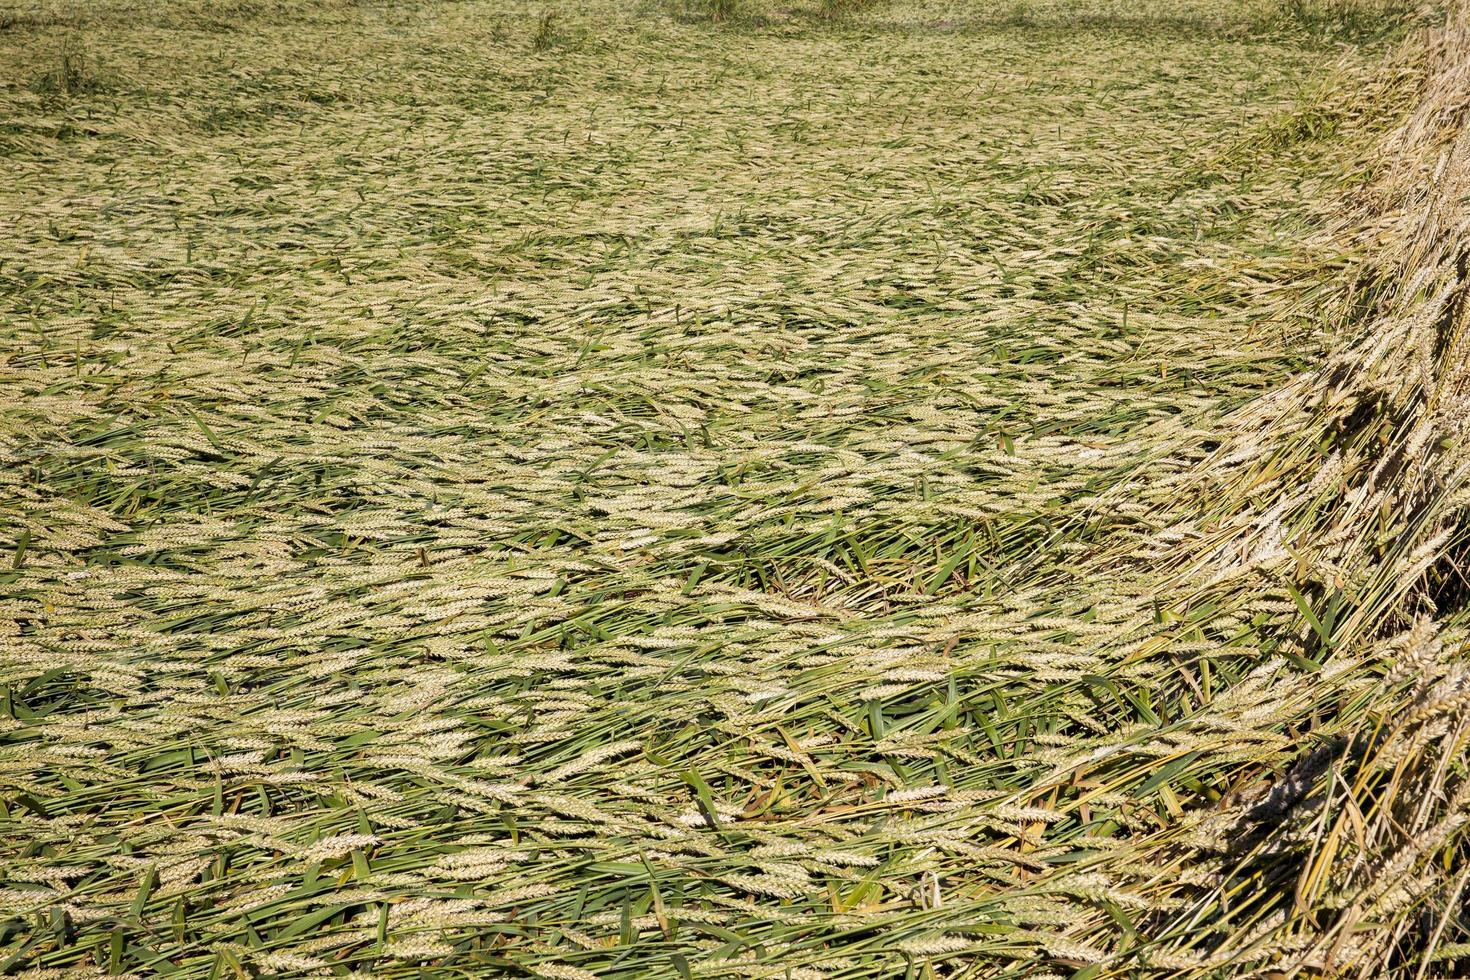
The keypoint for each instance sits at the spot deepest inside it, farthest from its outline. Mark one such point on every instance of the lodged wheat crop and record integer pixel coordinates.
(857, 490)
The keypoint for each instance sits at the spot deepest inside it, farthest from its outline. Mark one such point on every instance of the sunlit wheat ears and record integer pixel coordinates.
(762, 490)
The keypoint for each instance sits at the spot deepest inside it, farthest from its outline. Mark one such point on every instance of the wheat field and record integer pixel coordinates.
(734, 488)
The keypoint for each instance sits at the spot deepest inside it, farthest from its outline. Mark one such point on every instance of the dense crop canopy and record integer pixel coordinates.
(869, 490)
